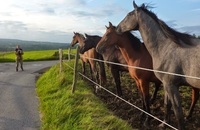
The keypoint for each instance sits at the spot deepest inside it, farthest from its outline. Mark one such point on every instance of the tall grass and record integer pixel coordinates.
(62, 110)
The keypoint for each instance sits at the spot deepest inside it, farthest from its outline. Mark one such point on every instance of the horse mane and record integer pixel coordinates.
(81, 36)
(177, 37)
(93, 36)
(136, 43)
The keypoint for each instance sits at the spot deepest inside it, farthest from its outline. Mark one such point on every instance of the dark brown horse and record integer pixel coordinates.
(79, 38)
(135, 54)
(111, 54)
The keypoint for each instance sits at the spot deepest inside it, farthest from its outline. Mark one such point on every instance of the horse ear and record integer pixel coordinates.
(135, 5)
(86, 35)
(143, 5)
(74, 33)
(110, 24)
(106, 27)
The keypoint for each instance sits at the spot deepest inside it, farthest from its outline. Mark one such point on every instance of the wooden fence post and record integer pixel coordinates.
(75, 69)
(69, 51)
(60, 57)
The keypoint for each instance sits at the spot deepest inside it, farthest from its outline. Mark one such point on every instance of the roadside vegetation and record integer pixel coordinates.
(62, 110)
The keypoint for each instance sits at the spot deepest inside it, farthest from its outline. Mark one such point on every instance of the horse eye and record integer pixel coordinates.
(108, 34)
(131, 13)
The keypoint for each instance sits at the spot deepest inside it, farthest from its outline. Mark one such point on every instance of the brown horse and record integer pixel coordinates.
(135, 55)
(111, 54)
(79, 38)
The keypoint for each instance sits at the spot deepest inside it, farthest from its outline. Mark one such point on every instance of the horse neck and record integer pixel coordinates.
(108, 52)
(127, 50)
(80, 41)
(151, 33)
(96, 41)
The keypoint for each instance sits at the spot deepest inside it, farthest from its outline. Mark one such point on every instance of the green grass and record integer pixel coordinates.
(62, 110)
(32, 55)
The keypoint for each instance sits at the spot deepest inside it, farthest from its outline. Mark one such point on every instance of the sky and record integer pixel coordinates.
(56, 20)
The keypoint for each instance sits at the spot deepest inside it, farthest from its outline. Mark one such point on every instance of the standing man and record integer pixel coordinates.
(19, 58)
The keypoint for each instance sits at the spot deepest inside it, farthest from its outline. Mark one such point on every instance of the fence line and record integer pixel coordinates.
(75, 70)
(141, 68)
(123, 99)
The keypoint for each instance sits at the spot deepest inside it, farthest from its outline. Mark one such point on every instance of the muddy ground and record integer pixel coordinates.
(133, 115)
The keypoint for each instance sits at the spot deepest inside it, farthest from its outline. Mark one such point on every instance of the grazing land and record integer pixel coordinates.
(62, 110)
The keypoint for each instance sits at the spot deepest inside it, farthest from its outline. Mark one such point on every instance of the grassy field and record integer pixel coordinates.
(62, 110)
(32, 55)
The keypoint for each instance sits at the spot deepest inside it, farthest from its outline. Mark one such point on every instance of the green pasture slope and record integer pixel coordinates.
(62, 110)
(32, 55)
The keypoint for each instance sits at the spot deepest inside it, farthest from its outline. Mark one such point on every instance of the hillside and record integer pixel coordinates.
(10, 44)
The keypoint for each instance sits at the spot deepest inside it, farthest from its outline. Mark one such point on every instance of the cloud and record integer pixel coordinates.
(197, 9)
(172, 23)
(12, 26)
(191, 29)
(188, 29)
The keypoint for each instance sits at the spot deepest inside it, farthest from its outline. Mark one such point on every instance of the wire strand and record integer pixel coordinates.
(124, 100)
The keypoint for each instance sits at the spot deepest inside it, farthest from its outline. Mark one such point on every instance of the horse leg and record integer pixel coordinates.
(102, 71)
(95, 74)
(91, 71)
(83, 67)
(167, 109)
(195, 97)
(141, 97)
(145, 94)
(174, 96)
(116, 76)
(157, 86)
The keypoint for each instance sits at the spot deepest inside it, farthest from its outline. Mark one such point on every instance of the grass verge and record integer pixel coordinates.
(62, 110)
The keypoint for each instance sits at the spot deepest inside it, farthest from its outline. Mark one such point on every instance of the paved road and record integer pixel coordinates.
(18, 99)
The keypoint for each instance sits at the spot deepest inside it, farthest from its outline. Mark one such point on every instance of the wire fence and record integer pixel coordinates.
(135, 67)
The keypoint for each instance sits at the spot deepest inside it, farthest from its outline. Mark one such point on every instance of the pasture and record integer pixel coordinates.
(31, 55)
(61, 108)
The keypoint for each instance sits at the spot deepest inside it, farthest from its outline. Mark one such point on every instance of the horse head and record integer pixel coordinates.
(77, 38)
(130, 22)
(108, 39)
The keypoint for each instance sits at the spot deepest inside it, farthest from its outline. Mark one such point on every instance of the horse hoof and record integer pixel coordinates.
(97, 88)
(186, 119)
(161, 126)
(142, 115)
(146, 126)
(152, 100)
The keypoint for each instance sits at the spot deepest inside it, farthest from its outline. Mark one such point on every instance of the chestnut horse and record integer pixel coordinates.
(135, 54)
(79, 38)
